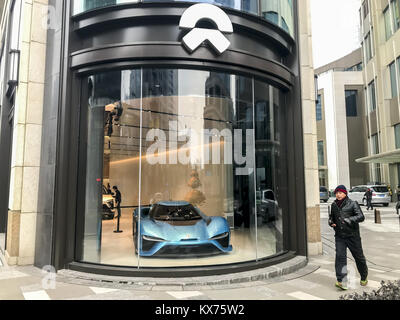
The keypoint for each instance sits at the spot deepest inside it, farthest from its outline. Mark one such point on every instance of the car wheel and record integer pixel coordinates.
(386, 204)
(325, 201)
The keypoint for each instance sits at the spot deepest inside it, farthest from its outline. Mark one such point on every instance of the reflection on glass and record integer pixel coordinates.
(279, 12)
(243, 5)
(186, 164)
(268, 169)
(86, 5)
(250, 6)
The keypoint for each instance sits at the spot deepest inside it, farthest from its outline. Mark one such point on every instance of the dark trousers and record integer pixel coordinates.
(355, 247)
(369, 204)
(118, 209)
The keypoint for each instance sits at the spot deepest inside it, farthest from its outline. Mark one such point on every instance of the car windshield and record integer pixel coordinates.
(380, 189)
(174, 213)
(322, 189)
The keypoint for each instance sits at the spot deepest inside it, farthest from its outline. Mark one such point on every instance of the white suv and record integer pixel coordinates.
(380, 194)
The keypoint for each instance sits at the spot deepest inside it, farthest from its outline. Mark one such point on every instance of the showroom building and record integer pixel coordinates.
(171, 138)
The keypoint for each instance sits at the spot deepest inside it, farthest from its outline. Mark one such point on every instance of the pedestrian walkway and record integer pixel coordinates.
(315, 281)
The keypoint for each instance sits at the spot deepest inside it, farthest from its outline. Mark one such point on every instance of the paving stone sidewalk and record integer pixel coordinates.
(315, 281)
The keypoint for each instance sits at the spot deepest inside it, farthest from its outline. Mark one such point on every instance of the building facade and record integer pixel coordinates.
(381, 50)
(167, 136)
(341, 122)
(22, 65)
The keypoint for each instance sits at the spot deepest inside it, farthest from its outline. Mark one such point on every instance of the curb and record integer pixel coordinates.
(268, 273)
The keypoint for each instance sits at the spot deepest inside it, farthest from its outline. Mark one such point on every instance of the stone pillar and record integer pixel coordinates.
(309, 130)
(26, 145)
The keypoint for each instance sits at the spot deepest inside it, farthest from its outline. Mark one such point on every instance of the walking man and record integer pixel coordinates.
(345, 217)
(368, 197)
(118, 200)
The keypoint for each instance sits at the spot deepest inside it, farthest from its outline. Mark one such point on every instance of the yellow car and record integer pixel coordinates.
(108, 205)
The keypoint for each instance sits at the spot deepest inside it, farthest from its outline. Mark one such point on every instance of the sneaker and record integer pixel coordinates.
(364, 282)
(340, 285)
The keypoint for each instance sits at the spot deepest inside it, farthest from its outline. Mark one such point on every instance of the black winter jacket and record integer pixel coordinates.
(346, 218)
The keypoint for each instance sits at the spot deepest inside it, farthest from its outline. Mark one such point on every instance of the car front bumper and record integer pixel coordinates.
(185, 248)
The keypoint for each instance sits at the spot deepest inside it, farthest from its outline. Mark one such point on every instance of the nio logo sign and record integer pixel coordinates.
(211, 13)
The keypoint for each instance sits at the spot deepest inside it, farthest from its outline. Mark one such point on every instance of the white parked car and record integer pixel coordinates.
(380, 194)
(267, 206)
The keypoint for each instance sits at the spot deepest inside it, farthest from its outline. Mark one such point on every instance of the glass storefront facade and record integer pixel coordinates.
(191, 162)
(169, 162)
(279, 12)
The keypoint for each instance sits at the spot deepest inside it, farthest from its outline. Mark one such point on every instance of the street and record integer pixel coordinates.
(316, 281)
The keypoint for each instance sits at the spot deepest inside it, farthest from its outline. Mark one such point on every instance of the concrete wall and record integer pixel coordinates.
(310, 130)
(26, 145)
(340, 143)
(357, 144)
(348, 61)
(321, 136)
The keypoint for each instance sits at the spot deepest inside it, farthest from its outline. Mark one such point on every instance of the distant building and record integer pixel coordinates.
(380, 23)
(341, 125)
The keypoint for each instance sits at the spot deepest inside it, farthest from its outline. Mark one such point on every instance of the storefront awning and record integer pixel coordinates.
(386, 157)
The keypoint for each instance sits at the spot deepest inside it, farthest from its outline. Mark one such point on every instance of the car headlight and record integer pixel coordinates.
(155, 239)
(220, 236)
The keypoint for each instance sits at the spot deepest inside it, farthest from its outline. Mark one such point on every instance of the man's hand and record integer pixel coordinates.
(347, 220)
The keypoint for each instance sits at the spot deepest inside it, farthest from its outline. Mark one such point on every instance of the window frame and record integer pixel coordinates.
(365, 8)
(393, 79)
(321, 153)
(353, 108)
(371, 96)
(318, 108)
(375, 144)
(368, 47)
(396, 129)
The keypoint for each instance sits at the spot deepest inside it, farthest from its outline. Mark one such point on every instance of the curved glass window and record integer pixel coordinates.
(272, 16)
(283, 9)
(186, 163)
(250, 6)
(279, 12)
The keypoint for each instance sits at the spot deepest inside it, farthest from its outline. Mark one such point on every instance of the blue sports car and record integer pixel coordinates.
(179, 228)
